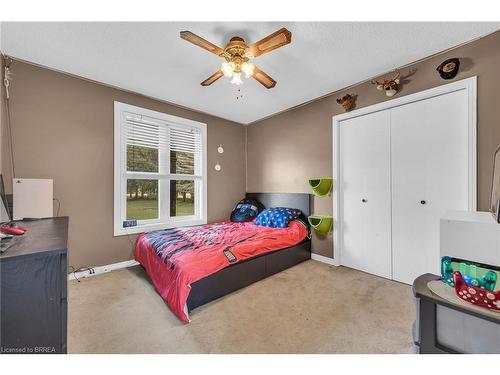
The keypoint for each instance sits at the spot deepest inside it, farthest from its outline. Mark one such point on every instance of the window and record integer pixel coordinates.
(160, 171)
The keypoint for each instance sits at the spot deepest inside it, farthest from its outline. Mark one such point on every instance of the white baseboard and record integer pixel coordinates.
(323, 259)
(130, 263)
(102, 269)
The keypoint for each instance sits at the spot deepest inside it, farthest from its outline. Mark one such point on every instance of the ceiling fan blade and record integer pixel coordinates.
(271, 42)
(214, 77)
(263, 78)
(200, 42)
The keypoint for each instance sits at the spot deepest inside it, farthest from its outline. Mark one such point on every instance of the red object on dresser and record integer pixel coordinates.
(476, 295)
(17, 231)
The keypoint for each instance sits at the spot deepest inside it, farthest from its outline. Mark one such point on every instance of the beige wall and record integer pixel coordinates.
(287, 149)
(63, 129)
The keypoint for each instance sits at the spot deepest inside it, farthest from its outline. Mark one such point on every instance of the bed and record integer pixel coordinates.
(189, 279)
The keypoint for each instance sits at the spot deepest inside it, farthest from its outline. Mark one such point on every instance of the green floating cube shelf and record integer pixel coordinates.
(322, 224)
(321, 186)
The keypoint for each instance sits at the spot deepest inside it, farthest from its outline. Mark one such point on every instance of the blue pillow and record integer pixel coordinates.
(246, 210)
(277, 217)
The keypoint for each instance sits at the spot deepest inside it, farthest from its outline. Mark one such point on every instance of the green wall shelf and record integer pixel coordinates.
(322, 224)
(321, 186)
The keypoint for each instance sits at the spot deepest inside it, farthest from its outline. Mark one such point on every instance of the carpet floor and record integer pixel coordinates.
(309, 308)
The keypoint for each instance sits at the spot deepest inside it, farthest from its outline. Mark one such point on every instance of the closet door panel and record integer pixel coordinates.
(429, 143)
(366, 197)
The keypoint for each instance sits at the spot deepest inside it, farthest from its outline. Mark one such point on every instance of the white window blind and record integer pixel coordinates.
(185, 140)
(143, 132)
(185, 151)
(160, 170)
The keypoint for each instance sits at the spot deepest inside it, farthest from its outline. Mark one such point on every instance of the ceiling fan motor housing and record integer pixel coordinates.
(237, 52)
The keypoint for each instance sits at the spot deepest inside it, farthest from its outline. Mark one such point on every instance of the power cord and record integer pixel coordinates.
(58, 206)
(6, 82)
(91, 271)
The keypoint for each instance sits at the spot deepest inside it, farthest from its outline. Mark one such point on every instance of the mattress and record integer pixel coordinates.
(176, 258)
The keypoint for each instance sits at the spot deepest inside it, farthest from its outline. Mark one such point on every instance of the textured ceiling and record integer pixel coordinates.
(151, 59)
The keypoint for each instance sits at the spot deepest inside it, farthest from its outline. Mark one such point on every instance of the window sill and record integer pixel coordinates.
(118, 231)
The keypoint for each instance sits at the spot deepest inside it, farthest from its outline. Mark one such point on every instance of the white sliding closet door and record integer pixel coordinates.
(430, 175)
(366, 193)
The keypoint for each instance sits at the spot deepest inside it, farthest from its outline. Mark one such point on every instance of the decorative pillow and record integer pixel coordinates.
(246, 210)
(277, 217)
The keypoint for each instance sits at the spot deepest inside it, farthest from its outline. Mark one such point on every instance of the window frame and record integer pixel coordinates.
(121, 175)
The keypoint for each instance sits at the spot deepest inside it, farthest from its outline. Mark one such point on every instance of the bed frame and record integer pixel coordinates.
(242, 274)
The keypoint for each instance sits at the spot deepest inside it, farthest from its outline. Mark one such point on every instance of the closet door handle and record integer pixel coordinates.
(363, 200)
(423, 202)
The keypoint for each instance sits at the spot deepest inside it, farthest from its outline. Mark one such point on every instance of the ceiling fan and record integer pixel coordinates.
(237, 55)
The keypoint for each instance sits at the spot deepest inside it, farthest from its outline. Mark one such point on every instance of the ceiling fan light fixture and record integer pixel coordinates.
(248, 69)
(237, 53)
(237, 79)
(227, 68)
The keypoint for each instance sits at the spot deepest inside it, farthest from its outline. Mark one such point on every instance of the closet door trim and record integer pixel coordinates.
(468, 84)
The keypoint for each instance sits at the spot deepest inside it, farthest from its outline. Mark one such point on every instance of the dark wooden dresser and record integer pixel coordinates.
(33, 287)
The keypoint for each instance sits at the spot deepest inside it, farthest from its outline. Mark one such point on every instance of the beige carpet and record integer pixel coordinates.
(310, 308)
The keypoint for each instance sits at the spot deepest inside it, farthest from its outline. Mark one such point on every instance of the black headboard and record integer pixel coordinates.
(293, 200)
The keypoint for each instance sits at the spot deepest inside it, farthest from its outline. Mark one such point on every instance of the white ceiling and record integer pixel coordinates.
(151, 59)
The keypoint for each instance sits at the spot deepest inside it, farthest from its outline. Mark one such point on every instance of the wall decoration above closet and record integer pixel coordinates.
(347, 102)
(448, 69)
(392, 85)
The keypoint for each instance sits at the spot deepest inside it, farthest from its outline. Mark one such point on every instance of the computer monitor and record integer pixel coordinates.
(5, 214)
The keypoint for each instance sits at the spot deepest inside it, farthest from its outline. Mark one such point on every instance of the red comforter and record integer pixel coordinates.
(176, 258)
